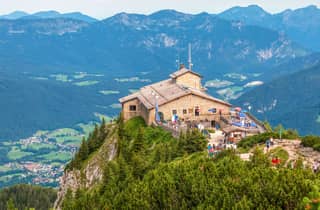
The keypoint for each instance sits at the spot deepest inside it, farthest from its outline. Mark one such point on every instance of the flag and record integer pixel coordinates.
(157, 112)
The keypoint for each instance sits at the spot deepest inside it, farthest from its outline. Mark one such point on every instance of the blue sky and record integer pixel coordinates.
(104, 8)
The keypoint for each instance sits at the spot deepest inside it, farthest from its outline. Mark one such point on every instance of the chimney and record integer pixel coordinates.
(181, 66)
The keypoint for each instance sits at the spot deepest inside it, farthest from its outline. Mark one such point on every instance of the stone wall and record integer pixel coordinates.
(141, 110)
(189, 103)
(189, 80)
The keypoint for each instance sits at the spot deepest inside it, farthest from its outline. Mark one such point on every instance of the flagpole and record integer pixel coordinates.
(156, 116)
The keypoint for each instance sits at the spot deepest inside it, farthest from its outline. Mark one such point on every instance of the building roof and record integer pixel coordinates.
(166, 91)
(183, 71)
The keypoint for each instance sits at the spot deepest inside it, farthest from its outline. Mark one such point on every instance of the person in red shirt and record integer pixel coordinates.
(275, 161)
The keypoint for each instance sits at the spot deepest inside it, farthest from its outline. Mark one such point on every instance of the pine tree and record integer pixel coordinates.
(138, 142)
(93, 140)
(68, 202)
(10, 205)
(121, 131)
(102, 134)
(83, 150)
(102, 127)
(259, 159)
(138, 166)
(194, 141)
(123, 168)
(181, 144)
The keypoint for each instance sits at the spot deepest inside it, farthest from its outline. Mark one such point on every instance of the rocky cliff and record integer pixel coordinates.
(92, 170)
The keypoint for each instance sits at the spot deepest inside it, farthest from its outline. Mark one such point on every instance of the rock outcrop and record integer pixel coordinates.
(92, 171)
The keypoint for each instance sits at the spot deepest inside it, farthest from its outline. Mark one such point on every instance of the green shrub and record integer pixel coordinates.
(132, 126)
(309, 141)
(250, 141)
(211, 130)
(317, 147)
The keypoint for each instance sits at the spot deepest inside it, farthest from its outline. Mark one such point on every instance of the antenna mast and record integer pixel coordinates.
(189, 57)
(178, 61)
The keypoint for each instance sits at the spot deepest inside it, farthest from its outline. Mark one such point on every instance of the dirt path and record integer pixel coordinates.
(295, 150)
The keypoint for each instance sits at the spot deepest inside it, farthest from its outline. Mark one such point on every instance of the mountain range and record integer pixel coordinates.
(47, 15)
(132, 46)
(300, 25)
(154, 42)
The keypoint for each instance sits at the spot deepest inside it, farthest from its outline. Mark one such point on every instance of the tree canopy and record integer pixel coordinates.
(27, 196)
(153, 170)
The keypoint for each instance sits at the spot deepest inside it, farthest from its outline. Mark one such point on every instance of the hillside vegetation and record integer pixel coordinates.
(24, 196)
(311, 141)
(153, 170)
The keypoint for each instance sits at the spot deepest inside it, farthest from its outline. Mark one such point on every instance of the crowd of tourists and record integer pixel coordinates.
(240, 119)
(215, 149)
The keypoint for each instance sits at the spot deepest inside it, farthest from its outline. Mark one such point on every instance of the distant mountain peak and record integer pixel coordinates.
(14, 15)
(249, 8)
(252, 12)
(255, 7)
(127, 19)
(79, 16)
(168, 13)
(48, 15)
(310, 8)
(18, 13)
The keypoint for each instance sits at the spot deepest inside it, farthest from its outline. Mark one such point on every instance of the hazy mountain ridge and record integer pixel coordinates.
(57, 26)
(301, 25)
(216, 42)
(48, 15)
(292, 100)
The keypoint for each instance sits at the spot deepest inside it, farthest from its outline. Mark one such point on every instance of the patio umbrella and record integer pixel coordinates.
(238, 109)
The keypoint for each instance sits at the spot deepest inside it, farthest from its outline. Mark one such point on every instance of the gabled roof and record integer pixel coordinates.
(166, 92)
(181, 72)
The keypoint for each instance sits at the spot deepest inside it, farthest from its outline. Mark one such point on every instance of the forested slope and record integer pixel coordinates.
(153, 170)
(27, 196)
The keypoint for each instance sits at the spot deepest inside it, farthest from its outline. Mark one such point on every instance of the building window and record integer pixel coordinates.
(174, 111)
(133, 108)
(184, 111)
(190, 111)
(197, 111)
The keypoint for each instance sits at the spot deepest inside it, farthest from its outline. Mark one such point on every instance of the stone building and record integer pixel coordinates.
(182, 95)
